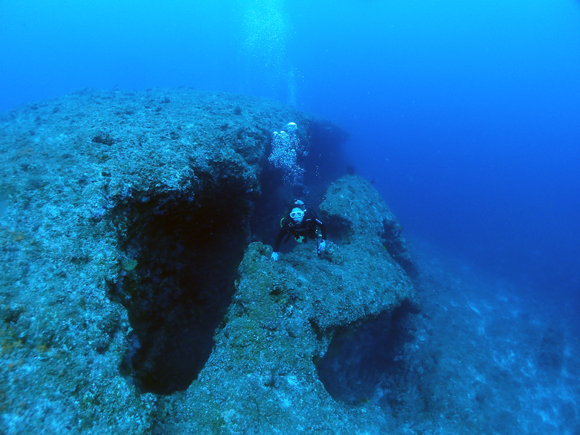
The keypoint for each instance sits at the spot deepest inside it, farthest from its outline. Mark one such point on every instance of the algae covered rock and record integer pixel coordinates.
(354, 209)
(131, 299)
(264, 374)
(119, 248)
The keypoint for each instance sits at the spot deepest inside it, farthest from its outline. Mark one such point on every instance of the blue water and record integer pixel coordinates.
(466, 114)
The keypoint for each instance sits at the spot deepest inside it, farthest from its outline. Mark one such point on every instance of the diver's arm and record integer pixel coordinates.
(322, 229)
(277, 244)
(321, 237)
(278, 241)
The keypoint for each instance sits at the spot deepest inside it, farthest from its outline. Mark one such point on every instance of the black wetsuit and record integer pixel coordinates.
(307, 229)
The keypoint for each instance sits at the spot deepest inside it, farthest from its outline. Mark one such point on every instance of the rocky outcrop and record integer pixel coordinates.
(264, 375)
(356, 212)
(123, 219)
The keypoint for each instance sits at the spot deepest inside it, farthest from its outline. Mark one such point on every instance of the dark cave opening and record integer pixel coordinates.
(177, 281)
(368, 362)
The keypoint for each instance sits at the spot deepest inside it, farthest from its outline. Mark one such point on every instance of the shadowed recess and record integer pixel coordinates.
(366, 363)
(176, 282)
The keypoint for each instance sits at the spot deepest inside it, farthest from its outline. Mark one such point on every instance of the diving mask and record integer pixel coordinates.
(297, 215)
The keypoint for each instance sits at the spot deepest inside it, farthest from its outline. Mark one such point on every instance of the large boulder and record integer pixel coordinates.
(355, 210)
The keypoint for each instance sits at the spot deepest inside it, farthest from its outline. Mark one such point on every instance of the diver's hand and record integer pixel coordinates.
(321, 247)
(274, 256)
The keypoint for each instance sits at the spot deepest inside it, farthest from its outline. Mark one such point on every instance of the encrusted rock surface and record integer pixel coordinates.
(354, 208)
(123, 218)
(262, 376)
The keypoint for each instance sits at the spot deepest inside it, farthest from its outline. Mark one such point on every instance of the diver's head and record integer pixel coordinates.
(297, 214)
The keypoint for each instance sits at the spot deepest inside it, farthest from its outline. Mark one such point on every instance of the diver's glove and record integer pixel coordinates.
(321, 247)
(274, 256)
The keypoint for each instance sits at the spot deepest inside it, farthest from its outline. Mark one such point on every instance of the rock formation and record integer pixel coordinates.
(131, 298)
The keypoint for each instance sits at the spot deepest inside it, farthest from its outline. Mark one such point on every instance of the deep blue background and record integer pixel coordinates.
(465, 113)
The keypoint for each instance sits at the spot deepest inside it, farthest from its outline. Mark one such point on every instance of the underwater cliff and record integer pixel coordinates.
(132, 297)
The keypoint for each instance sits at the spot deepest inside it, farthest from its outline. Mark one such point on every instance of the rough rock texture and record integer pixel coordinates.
(354, 208)
(262, 376)
(123, 219)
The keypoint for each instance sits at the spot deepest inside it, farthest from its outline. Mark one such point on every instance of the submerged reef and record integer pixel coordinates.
(132, 297)
(138, 295)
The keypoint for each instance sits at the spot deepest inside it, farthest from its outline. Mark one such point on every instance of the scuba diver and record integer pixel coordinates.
(301, 222)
